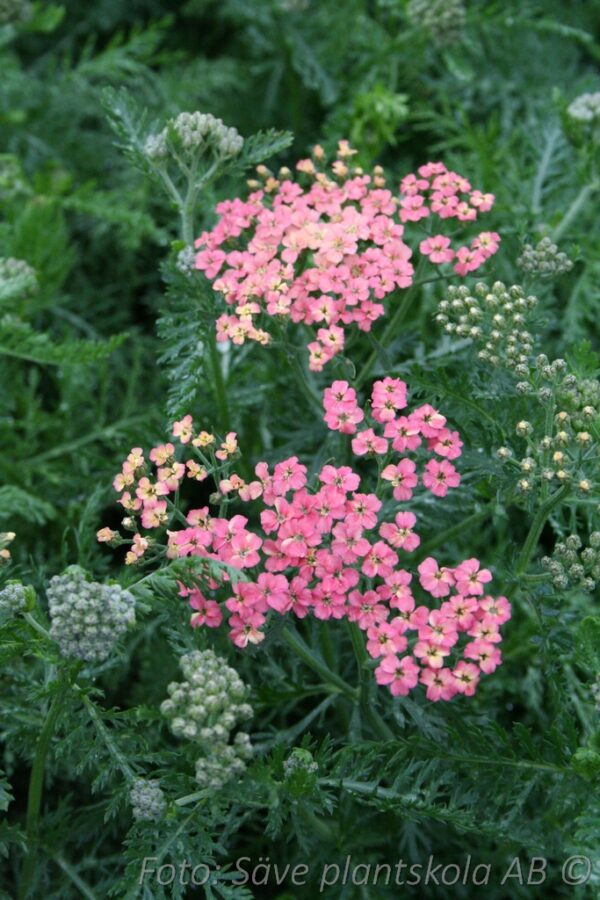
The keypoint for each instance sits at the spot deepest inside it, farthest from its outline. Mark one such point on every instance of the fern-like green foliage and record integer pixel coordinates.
(20, 341)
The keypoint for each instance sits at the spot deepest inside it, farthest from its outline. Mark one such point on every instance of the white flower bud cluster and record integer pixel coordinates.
(571, 564)
(205, 709)
(155, 146)
(14, 11)
(585, 108)
(87, 617)
(13, 598)
(300, 772)
(300, 760)
(494, 318)
(186, 261)
(444, 19)
(20, 273)
(148, 803)
(193, 133)
(544, 259)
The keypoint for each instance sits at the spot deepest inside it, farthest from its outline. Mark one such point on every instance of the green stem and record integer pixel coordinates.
(314, 399)
(318, 826)
(191, 798)
(365, 683)
(447, 535)
(220, 388)
(295, 642)
(68, 869)
(36, 785)
(102, 434)
(573, 211)
(187, 208)
(537, 525)
(389, 332)
(36, 626)
(540, 178)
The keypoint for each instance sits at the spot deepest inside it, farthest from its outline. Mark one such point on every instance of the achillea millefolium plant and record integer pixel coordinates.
(300, 418)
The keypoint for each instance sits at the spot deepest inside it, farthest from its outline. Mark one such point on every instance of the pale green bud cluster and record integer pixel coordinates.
(190, 134)
(148, 803)
(585, 108)
(444, 19)
(494, 318)
(581, 397)
(572, 564)
(205, 709)
(16, 277)
(544, 259)
(12, 177)
(87, 617)
(596, 692)
(563, 452)
(300, 772)
(13, 598)
(186, 261)
(13, 12)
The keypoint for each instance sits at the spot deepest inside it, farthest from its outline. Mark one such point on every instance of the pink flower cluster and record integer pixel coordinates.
(329, 253)
(331, 550)
(400, 432)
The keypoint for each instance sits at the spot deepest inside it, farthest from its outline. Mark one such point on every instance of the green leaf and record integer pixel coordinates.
(586, 762)
(19, 340)
(16, 502)
(588, 642)
(261, 146)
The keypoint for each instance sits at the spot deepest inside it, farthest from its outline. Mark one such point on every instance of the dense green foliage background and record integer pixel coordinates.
(109, 347)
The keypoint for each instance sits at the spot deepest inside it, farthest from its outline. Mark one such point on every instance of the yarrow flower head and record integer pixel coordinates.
(333, 550)
(87, 617)
(585, 108)
(300, 772)
(14, 598)
(205, 709)
(443, 19)
(327, 249)
(191, 134)
(544, 259)
(494, 318)
(148, 802)
(573, 565)
(17, 278)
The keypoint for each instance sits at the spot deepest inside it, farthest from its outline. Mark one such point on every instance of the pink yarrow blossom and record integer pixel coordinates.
(324, 547)
(328, 249)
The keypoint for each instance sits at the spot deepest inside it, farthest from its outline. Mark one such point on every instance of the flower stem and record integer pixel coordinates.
(68, 869)
(389, 332)
(36, 626)
(454, 530)
(367, 708)
(220, 388)
(313, 398)
(295, 642)
(36, 785)
(573, 211)
(537, 525)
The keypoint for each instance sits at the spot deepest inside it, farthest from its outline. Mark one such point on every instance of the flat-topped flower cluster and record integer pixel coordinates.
(329, 549)
(326, 251)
